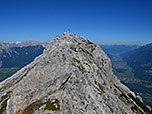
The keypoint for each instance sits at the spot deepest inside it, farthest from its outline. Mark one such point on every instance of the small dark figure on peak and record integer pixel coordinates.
(69, 30)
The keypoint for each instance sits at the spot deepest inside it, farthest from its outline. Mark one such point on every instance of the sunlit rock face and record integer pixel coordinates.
(72, 76)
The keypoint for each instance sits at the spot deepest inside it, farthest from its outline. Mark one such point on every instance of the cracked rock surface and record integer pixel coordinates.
(72, 76)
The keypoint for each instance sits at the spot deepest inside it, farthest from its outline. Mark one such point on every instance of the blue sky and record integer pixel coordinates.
(102, 21)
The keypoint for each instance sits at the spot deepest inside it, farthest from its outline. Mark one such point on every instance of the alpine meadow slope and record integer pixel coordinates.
(72, 76)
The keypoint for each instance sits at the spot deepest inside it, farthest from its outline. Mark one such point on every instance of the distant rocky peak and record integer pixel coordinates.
(26, 43)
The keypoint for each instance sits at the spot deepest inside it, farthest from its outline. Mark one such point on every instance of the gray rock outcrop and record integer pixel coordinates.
(72, 76)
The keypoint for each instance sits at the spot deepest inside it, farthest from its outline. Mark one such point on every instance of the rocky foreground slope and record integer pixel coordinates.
(72, 76)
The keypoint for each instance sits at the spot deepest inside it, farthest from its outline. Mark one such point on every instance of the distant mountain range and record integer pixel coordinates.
(25, 43)
(13, 56)
(20, 53)
(118, 49)
(19, 56)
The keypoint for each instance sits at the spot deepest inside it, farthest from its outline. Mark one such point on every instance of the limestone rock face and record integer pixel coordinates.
(72, 76)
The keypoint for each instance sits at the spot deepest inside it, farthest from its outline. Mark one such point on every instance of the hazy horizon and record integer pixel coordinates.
(95, 43)
(101, 21)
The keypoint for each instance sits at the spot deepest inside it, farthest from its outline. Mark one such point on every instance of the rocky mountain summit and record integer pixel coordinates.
(72, 76)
